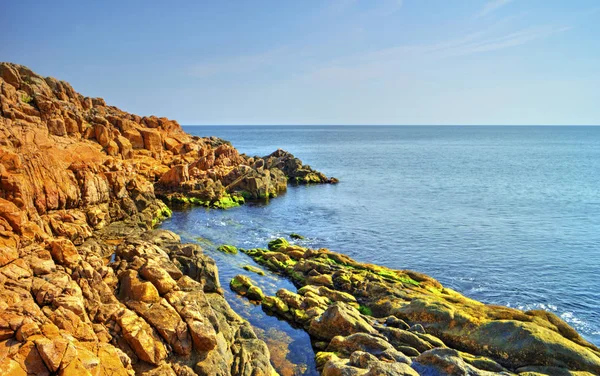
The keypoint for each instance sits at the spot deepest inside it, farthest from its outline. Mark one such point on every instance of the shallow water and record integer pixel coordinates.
(505, 215)
(291, 350)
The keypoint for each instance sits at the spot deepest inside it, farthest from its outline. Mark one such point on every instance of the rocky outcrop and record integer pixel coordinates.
(370, 320)
(86, 286)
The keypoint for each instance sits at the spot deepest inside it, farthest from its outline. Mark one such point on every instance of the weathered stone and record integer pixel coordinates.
(142, 339)
(339, 320)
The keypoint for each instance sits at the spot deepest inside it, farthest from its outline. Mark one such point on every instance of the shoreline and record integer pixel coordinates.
(80, 182)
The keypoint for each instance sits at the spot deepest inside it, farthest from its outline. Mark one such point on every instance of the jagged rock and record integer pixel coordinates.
(141, 337)
(339, 319)
(133, 288)
(158, 276)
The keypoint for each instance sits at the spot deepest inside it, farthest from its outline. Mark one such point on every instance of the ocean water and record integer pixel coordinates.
(505, 215)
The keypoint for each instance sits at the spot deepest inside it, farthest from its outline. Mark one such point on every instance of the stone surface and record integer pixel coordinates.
(86, 286)
(392, 315)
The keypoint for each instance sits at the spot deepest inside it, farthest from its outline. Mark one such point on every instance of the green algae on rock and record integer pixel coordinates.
(253, 269)
(275, 245)
(226, 248)
(361, 307)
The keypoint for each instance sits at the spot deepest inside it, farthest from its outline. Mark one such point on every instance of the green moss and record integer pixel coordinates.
(300, 314)
(236, 285)
(246, 195)
(394, 277)
(225, 202)
(408, 281)
(253, 269)
(296, 276)
(276, 244)
(323, 357)
(293, 235)
(161, 214)
(26, 99)
(365, 310)
(226, 248)
(197, 201)
(255, 293)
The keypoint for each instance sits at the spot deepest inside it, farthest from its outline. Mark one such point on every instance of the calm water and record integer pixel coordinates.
(505, 215)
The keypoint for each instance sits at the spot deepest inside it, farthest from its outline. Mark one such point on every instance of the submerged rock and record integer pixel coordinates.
(253, 269)
(227, 249)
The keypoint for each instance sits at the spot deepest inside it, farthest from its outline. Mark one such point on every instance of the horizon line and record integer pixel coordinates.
(391, 125)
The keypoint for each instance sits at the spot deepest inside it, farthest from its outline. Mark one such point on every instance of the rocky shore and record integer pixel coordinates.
(370, 320)
(88, 285)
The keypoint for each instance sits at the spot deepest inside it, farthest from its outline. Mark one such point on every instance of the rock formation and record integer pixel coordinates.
(370, 320)
(86, 286)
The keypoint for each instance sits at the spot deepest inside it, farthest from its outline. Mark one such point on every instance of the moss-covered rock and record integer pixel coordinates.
(244, 286)
(278, 244)
(226, 248)
(293, 235)
(253, 269)
(420, 315)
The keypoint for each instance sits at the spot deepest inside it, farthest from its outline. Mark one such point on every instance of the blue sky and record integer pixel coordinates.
(320, 62)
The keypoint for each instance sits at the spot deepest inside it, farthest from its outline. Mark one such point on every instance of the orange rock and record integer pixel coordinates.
(133, 288)
(64, 252)
(142, 339)
(152, 139)
(52, 351)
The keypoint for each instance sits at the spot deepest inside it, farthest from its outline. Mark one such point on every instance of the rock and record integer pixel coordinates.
(141, 337)
(399, 337)
(227, 249)
(442, 362)
(253, 269)
(135, 289)
(417, 328)
(152, 139)
(64, 252)
(52, 351)
(167, 322)
(367, 343)
(395, 322)
(244, 286)
(293, 235)
(277, 244)
(339, 320)
(158, 276)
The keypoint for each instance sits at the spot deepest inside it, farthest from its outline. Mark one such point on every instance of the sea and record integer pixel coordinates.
(503, 214)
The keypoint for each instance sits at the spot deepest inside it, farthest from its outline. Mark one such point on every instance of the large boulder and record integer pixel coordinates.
(340, 319)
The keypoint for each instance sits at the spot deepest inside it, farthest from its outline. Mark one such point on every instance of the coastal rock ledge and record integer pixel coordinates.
(89, 286)
(366, 319)
(86, 286)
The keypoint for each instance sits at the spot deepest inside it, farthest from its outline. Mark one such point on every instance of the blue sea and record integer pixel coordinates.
(505, 215)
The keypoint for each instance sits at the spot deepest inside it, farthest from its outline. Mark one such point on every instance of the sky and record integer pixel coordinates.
(320, 62)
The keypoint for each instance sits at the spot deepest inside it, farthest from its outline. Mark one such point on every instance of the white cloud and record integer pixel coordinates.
(492, 6)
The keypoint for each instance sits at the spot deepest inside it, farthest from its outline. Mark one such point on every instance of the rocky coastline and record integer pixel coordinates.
(89, 286)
